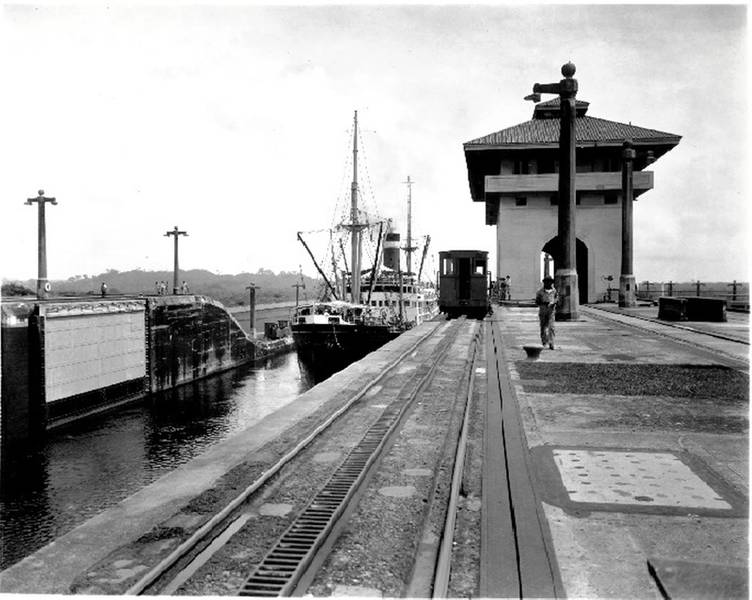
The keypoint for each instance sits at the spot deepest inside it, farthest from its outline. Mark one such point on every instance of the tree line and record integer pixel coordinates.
(228, 289)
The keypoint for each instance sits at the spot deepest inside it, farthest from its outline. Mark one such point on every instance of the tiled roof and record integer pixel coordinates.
(555, 102)
(551, 109)
(587, 129)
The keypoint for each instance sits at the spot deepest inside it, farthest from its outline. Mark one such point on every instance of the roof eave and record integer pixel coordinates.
(667, 141)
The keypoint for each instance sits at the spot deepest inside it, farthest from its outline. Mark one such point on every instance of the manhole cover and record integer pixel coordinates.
(637, 478)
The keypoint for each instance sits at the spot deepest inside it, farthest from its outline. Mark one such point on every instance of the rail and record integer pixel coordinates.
(219, 522)
(726, 348)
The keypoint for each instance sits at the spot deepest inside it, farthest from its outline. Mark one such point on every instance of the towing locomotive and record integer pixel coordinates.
(463, 283)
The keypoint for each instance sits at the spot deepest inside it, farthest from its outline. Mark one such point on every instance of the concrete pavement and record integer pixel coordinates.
(639, 453)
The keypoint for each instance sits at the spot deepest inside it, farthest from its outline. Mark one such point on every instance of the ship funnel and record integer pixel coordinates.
(392, 251)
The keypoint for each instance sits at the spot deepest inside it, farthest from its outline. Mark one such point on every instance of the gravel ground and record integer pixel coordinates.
(400, 516)
(684, 381)
(229, 568)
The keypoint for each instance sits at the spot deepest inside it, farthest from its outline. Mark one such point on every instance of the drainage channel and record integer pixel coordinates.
(280, 570)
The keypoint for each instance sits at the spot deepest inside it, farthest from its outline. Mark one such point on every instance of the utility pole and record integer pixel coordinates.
(566, 273)
(175, 232)
(409, 248)
(43, 286)
(252, 325)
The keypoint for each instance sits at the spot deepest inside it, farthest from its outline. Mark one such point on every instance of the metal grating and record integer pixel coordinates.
(278, 572)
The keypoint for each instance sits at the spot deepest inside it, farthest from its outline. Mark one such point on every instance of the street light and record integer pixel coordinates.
(566, 273)
(43, 286)
(175, 232)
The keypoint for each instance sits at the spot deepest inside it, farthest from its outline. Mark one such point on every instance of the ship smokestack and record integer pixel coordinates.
(392, 251)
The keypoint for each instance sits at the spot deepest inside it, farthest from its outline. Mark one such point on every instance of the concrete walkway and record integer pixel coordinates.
(639, 452)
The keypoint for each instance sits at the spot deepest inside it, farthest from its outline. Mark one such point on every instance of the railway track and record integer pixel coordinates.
(731, 350)
(325, 490)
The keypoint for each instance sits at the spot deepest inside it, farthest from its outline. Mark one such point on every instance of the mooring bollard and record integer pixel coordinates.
(533, 352)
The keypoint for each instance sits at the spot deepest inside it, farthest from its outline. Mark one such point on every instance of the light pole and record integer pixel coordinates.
(175, 232)
(43, 286)
(252, 299)
(566, 273)
(627, 292)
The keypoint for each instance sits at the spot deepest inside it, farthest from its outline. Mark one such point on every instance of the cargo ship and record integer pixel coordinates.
(366, 308)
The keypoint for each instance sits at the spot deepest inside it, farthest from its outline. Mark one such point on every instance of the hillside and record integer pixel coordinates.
(228, 289)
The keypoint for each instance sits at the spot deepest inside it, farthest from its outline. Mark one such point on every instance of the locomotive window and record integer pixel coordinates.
(447, 266)
(480, 266)
(520, 201)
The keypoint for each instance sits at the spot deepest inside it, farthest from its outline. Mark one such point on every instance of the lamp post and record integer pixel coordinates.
(627, 292)
(566, 273)
(43, 286)
(252, 324)
(175, 232)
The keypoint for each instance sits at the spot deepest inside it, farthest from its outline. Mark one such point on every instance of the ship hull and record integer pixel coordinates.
(325, 349)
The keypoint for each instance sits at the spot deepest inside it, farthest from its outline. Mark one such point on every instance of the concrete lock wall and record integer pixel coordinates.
(19, 416)
(190, 337)
(63, 361)
(88, 352)
(522, 231)
(92, 356)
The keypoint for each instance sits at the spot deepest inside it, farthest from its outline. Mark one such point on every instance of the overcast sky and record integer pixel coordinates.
(232, 123)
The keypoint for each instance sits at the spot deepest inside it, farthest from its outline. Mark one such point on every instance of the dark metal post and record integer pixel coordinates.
(733, 287)
(567, 276)
(43, 286)
(252, 316)
(566, 273)
(697, 285)
(627, 296)
(670, 288)
(175, 232)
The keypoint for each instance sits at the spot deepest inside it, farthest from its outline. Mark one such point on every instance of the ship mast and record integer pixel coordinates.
(354, 225)
(409, 248)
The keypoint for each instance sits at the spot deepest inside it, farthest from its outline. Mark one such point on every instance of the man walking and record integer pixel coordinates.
(546, 299)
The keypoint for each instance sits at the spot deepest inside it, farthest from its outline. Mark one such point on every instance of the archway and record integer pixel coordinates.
(553, 249)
